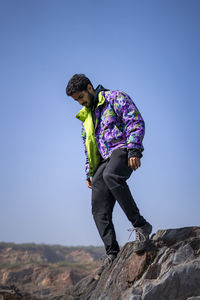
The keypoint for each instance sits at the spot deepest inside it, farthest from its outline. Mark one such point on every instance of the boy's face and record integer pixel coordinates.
(84, 98)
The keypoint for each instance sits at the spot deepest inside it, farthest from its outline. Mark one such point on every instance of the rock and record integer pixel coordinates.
(168, 270)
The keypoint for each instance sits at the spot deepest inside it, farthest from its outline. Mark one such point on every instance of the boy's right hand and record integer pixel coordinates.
(88, 182)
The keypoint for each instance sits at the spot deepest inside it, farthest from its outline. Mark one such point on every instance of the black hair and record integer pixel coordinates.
(78, 82)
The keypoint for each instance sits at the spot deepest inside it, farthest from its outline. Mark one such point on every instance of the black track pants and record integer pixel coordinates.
(108, 185)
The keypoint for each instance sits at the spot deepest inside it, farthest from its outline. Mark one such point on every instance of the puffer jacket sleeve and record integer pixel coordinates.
(83, 136)
(134, 124)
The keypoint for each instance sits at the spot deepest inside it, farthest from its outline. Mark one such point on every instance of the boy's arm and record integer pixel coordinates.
(83, 136)
(88, 178)
(126, 109)
(134, 124)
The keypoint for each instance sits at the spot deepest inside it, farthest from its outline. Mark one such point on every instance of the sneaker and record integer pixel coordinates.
(142, 237)
(108, 260)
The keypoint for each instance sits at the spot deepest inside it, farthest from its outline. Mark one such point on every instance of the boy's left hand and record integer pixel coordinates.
(134, 163)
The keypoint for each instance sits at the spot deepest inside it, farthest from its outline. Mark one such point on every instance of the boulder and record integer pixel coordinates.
(168, 270)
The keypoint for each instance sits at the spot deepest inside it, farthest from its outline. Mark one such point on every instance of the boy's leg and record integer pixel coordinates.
(115, 175)
(103, 202)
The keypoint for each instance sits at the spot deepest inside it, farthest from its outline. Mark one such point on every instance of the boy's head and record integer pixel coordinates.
(81, 89)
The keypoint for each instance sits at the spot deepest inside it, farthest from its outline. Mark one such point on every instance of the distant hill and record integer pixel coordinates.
(11, 253)
(46, 271)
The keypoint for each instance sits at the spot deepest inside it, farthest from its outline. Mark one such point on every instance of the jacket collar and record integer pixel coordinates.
(83, 113)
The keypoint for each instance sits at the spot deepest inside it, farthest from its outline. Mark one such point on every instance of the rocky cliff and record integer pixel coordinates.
(169, 270)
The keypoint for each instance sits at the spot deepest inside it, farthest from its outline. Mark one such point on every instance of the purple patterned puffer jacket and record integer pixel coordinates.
(119, 124)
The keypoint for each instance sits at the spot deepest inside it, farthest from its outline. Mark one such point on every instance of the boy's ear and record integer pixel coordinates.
(90, 88)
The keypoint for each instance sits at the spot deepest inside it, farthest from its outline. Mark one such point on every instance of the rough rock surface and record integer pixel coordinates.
(169, 270)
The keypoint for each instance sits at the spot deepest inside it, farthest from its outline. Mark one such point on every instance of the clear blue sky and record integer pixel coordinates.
(149, 49)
